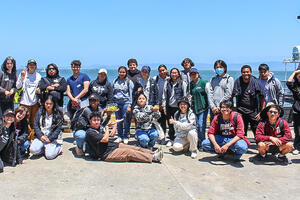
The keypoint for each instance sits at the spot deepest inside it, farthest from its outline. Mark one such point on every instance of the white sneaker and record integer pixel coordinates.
(194, 154)
(118, 140)
(125, 140)
(170, 143)
(295, 152)
(158, 156)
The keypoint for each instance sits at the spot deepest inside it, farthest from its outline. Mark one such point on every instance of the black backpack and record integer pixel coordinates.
(77, 122)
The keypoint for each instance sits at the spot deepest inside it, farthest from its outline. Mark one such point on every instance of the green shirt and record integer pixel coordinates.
(199, 96)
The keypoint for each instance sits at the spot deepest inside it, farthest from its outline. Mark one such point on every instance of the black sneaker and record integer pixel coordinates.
(258, 157)
(1, 166)
(284, 160)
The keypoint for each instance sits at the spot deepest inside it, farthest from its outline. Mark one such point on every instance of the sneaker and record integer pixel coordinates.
(170, 143)
(194, 154)
(84, 147)
(118, 140)
(258, 157)
(78, 151)
(284, 160)
(158, 156)
(125, 140)
(295, 152)
(1, 165)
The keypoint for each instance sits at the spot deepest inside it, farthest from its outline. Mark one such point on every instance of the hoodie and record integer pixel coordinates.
(273, 89)
(104, 90)
(58, 92)
(7, 82)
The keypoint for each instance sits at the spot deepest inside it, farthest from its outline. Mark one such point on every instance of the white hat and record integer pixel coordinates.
(102, 70)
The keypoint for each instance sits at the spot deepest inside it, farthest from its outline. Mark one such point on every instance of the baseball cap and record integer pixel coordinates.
(94, 96)
(194, 70)
(102, 70)
(8, 112)
(31, 61)
(147, 68)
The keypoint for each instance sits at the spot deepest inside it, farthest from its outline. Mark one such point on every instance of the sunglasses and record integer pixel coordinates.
(273, 112)
(51, 69)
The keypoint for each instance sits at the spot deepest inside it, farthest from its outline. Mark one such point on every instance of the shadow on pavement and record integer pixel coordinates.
(215, 160)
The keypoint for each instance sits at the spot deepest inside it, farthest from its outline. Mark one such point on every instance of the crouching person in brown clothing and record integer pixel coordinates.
(273, 135)
(98, 139)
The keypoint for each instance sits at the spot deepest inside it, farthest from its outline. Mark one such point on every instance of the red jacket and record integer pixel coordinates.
(237, 130)
(264, 133)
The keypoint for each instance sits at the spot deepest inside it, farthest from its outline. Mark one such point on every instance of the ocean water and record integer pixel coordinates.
(205, 74)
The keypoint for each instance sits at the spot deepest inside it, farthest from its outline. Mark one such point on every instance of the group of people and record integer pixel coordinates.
(177, 99)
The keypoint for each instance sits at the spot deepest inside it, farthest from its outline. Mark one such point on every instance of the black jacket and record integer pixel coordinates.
(7, 82)
(104, 90)
(153, 92)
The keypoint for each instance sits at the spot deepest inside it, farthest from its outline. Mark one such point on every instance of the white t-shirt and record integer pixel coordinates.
(48, 122)
(30, 84)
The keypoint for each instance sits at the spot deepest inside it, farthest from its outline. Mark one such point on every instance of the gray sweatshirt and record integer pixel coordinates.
(183, 125)
(219, 89)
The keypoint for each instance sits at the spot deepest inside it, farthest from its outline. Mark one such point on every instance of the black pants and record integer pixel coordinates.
(170, 113)
(2, 145)
(250, 119)
(163, 121)
(4, 106)
(296, 118)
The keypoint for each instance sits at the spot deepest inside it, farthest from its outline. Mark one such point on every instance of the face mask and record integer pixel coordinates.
(219, 71)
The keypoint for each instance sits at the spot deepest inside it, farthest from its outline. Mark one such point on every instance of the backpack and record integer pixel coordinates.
(234, 120)
(78, 122)
(281, 126)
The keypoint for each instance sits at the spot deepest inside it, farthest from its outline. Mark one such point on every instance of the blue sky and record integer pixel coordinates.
(109, 33)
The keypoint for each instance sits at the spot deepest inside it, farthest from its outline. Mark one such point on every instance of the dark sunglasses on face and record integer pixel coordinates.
(51, 69)
(273, 112)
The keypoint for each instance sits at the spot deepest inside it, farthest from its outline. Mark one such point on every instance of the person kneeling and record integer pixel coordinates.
(273, 135)
(98, 139)
(47, 126)
(145, 130)
(185, 128)
(227, 132)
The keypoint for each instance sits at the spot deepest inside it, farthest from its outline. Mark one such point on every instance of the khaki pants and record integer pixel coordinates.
(32, 110)
(127, 153)
(191, 139)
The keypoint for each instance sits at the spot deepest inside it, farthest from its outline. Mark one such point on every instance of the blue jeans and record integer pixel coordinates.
(147, 138)
(79, 137)
(201, 123)
(239, 148)
(24, 146)
(122, 114)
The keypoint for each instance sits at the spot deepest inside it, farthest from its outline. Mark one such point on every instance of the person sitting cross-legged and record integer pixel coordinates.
(273, 135)
(227, 132)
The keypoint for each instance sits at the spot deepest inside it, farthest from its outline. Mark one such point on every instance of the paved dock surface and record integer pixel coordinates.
(178, 177)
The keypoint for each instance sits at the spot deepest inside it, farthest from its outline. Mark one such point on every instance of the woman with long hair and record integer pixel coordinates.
(47, 127)
(122, 96)
(174, 90)
(22, 129)
(8, 79)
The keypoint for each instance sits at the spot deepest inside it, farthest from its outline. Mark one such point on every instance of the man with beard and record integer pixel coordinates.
(249, 98)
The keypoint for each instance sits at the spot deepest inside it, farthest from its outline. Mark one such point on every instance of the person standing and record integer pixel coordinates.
(187, 64)
(272, 86)
(8, 79)
(29, 79)
(199, 103)
(249, 98)
(53, 84)
(174, 90)
(122, 96)
(133, 72)
(160, 80)
(293, 84)
(77, 88)
(103, 88)
(219, 88)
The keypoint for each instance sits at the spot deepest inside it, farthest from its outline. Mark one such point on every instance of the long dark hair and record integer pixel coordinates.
(55, 67)
(179, 77)
(57, 115)
(123, 67)
(14, 69)
(222, 63)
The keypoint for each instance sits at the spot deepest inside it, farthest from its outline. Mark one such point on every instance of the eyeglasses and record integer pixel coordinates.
(273, 112)
(51, 69)
(75, 67)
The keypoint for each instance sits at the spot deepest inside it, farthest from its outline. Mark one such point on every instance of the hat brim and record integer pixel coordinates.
(264, 115)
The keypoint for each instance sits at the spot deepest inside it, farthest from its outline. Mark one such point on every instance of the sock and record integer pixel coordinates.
(280, 155)
(263, 155)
